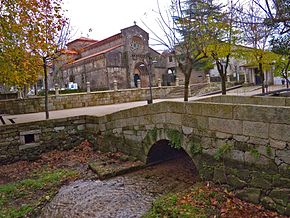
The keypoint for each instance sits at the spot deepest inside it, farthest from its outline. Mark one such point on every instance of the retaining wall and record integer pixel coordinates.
(68, 101)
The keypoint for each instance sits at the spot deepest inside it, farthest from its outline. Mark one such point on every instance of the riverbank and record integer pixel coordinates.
(54, 184)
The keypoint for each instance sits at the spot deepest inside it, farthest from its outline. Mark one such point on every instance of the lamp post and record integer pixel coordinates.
(148, 65)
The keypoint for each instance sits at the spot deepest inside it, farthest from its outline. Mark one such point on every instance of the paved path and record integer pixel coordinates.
(107, 109)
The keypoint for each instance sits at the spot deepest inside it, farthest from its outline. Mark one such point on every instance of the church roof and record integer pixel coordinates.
(95, 54)
(84, 39)
(104, 41)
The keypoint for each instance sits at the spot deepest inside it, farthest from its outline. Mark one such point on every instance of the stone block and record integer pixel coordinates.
(237, 155)
(27, 146)
(194, 121)
(258, 141)
(219, 175)
(256, 129)
(217, 110)
(194, 108)
(284, 155)
(221, 135)
(261, 180)
(173, 118)
(268, 203)
(187, 130)
(252, 159)
(159, 118)
(280, 196)
(235, 182)
(249, 194)
(241, 138)
(267, 114)
(277, 144)
(280, 132)
(58, 128)
(226, 126)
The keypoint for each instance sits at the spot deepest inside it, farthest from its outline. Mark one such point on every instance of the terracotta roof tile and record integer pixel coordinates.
(95, 54)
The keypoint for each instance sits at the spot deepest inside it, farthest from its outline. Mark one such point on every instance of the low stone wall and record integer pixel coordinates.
(68, 101)
(28, 140)
(255, 100)
(244, 147)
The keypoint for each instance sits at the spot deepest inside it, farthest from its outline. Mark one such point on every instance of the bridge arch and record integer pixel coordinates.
(162, 151)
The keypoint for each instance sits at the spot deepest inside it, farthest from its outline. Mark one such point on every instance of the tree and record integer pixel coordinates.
(19, 66)
(277, 14)
(256, 35)
(281, 45)
(188, 28)
(222, 45)
(28, 37)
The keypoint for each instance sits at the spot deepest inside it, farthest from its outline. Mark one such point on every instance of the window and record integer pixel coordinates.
(29, 138)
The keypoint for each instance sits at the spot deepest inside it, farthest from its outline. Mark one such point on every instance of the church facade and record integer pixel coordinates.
(124, 57)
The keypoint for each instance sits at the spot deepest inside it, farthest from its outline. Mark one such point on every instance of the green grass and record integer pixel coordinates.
(196, 203)
(21, 198)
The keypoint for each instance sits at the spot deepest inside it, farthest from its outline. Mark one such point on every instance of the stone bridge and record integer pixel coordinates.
(242, 142)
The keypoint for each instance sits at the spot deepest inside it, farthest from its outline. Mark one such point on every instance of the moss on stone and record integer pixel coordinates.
(174, 138)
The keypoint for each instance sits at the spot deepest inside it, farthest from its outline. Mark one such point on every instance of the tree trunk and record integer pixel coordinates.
(45, 88)
(186, 84)
(224, 86)
(262, 77)
(286, 73)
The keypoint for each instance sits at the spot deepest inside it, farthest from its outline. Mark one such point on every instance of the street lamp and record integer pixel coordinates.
(148, 67)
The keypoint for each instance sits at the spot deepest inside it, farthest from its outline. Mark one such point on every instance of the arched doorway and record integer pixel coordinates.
(140, 72)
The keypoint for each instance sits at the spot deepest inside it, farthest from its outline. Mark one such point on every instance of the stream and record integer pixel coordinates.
(129, 195)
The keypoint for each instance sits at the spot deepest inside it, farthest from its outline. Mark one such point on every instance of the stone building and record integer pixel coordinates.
(124, 57)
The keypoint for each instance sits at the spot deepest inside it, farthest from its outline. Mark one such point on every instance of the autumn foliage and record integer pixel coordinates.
(28, 32)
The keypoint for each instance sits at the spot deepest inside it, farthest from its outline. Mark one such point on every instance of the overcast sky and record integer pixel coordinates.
(108, 17)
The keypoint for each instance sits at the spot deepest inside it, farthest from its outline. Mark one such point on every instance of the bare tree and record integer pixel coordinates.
(256, 35)
(277, 13)
(185, 27)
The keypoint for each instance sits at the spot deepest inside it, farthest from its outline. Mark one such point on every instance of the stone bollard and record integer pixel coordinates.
(207, 78)
(159, 83)
(189, 91)
(115, 84)
(56, 89)
(139, 84)
(228, 78)
(88, 87)
(177, 81)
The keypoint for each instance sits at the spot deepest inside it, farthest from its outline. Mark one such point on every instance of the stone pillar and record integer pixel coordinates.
(88, 87)
(115, 85)
(139, 84)
(228, 78)
(207, 78)
(56, 89)
(177, 81)
(159, 83)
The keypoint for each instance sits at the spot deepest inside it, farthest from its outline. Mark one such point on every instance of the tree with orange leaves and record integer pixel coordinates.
(29, 39)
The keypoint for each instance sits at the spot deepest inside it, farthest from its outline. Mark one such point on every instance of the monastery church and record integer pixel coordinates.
(124, 57)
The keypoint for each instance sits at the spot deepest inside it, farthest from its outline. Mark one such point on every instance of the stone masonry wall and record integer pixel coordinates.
(26, 141)
(68, 101)
(244, 147)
